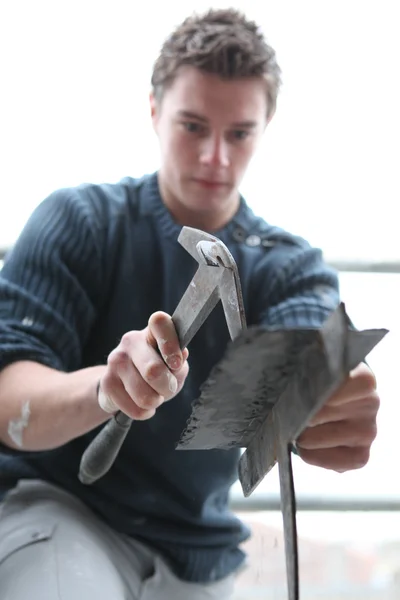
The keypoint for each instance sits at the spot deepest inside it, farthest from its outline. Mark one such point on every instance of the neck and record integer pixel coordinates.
(209, 221)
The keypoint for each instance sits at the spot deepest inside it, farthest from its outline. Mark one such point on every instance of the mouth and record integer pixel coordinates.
(210, 184)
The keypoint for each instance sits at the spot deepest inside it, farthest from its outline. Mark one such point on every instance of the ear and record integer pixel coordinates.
(153, 110)
(269, 118)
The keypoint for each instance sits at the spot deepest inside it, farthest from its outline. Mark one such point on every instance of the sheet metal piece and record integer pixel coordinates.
(262, 395)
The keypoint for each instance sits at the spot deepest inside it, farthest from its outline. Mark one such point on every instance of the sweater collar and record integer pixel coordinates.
(154, 205)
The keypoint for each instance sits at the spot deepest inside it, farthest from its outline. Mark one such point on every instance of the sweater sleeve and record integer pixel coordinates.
(49, 284)
(295, 288)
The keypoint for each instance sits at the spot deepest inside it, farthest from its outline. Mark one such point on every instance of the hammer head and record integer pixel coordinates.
(206, 248)
(217, 278)
(189, 238)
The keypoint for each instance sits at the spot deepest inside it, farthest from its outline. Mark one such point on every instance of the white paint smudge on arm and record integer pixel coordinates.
(16, 426)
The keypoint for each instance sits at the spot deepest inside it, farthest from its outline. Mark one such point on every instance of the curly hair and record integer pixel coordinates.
(221, 42)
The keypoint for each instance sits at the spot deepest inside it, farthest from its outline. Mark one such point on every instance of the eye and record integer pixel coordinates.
(239, 134)
(192, 127)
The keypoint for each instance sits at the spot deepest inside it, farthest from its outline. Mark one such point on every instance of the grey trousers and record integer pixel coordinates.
(53, 548)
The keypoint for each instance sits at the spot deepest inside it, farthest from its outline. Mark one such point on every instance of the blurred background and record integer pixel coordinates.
(74, 83)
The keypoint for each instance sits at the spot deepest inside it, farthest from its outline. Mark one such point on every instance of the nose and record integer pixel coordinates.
(214, 152)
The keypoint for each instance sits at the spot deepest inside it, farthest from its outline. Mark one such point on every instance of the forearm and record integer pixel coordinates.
(41, 408)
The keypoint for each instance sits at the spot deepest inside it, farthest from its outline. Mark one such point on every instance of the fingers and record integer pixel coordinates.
(137, 380)
(160, 361)
(338, 459)
(340, 436)
(366, 407)
(145, 370)
(361, 382)
(351, 433)
(113, 396)
(162, 334)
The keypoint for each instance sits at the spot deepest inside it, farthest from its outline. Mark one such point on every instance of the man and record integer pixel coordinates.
(85, 299)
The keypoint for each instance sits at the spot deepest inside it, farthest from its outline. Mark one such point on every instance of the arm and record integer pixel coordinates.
(295, 288)
(42, 408)
(48, 290)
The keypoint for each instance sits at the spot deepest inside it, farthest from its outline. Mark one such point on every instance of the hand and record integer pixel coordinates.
(340, 436)
(138, 378)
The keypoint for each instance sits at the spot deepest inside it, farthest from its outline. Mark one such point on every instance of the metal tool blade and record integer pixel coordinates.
(288, 509)
(197, 303)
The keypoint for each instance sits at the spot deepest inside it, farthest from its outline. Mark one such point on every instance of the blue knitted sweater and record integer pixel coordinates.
(92, 263)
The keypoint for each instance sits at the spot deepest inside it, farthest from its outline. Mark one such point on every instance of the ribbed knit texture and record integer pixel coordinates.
(94, 262)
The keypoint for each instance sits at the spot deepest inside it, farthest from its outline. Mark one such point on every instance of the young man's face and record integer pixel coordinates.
(208, 130)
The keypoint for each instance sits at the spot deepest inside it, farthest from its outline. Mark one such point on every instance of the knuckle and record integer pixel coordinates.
(129, 338)
(149, 401)
(361, 457)
(366, 434)
(117, 358)
(372, 432)
(139, 409)
(167, 347)
(153, 370)
(368, 380)
(375, 402)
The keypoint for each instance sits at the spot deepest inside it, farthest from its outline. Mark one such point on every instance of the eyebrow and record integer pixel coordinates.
(187, 114)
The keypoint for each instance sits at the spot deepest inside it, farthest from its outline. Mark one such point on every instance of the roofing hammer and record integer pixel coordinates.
(216, 279)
